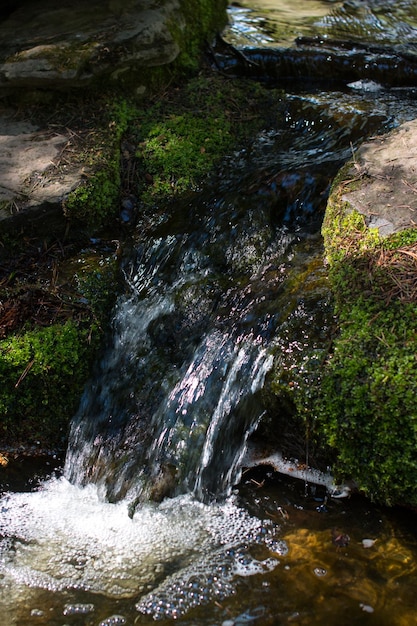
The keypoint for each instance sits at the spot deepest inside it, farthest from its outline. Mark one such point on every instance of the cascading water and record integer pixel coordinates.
(188, 370)
(175, 397)
(178, 392)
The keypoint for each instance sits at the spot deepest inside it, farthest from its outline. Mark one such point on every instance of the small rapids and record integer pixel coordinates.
(178, 391)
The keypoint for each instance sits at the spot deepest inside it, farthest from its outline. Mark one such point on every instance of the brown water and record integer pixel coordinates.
(371, 581)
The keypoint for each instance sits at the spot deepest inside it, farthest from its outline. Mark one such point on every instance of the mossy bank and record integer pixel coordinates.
(60, 267)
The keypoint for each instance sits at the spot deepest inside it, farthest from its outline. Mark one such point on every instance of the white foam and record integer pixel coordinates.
(369, 86)
(64, 537)
(248, 566)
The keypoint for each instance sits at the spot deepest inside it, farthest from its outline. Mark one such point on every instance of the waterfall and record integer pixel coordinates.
(175, 396)
(177, 393)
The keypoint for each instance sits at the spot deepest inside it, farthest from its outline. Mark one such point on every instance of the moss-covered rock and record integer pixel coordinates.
(182, 136)
(79, 45)
(42, 372)
(50, 334)
(365, 403)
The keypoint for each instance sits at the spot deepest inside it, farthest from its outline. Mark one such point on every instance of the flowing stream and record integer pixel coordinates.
(153, 517)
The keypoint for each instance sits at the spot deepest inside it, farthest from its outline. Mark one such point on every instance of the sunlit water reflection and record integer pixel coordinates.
(267, 23)
(271, 22)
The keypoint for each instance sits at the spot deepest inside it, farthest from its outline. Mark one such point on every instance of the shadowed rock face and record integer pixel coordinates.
(8, 6)
(71, 43)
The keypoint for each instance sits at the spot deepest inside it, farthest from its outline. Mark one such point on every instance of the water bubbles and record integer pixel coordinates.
(320, 571)
(188, 589)
(277, 546)
(215, 575)
(197, 555)
(78, 609)
(245, 565)
(113, 620)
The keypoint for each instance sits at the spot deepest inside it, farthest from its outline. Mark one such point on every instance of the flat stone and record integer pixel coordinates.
(386, 170)
(29, 172)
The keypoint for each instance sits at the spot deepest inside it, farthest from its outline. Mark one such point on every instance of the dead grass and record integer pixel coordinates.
(399, 269)
(31, 290)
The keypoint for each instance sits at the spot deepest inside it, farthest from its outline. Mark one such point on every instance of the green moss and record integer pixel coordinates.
(96, 201)
(51, 333)
(97, 283)
(181, 139)
(365, 403)
(202, 19)
(405, 237)
(344, 229)
(180, 149)
(42, 372)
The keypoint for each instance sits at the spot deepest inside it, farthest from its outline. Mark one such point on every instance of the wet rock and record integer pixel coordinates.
(335, 64)
(340, 539)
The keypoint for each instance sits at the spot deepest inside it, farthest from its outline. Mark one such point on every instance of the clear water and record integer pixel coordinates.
(264, 23)
(264, 556)
(175, 398)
